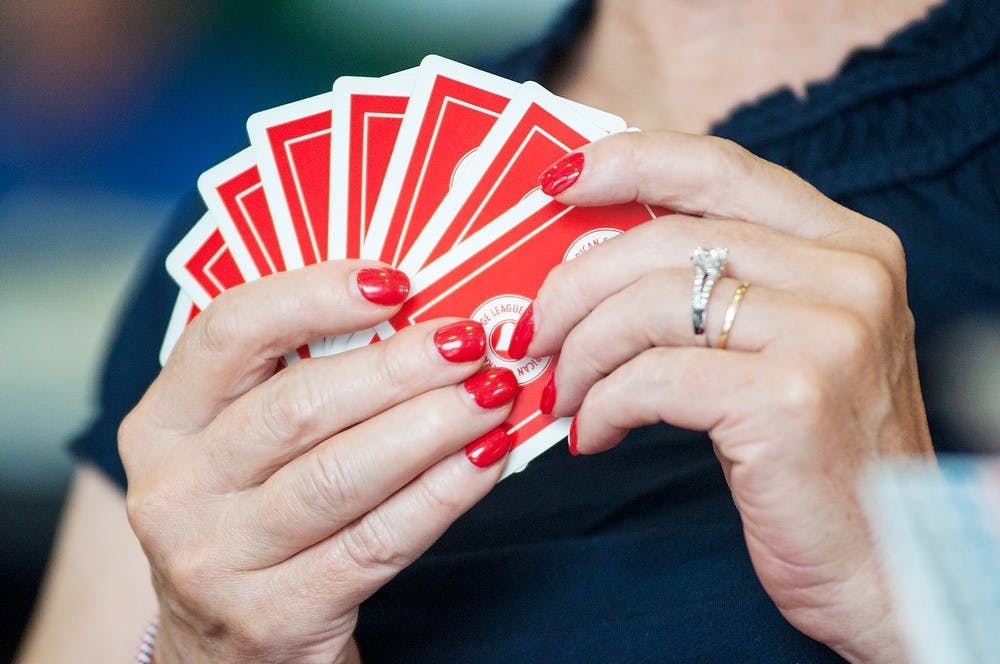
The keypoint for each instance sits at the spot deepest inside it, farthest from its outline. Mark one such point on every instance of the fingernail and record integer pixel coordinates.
(548, 400)
(572, 438)
(462, 341)
(492, 387)
(524, 330)
(486, 450)
(561, 175)
(383, 285)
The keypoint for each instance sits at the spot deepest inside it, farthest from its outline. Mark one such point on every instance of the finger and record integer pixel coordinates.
(289, 413)
(757, 254)
(234, 344)
(702, 389)
(697, 175)
(345, 477)
(348, 567)
(656, 311)
(710, 176)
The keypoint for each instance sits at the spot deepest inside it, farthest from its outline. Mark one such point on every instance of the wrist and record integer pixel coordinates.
(176, 645)
(175, 642)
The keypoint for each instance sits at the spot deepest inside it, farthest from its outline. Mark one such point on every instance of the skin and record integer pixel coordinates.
(818, 380)
(242, 483)
(684, 64)
(323, 481)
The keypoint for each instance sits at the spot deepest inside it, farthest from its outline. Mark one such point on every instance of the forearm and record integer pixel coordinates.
(97, 596)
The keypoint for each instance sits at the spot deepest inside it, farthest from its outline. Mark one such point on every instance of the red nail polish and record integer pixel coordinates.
(462, 341)
(561, 175)
(383, 285)
(492, 387)
(548, 400)
(524, 330)
(572, 438)
(486, 450)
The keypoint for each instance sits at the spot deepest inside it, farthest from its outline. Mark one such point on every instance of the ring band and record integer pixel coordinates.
(727, 322)
(709, 266)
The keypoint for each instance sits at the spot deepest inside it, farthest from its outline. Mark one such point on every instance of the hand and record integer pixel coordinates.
(270, 505)
(820, 374)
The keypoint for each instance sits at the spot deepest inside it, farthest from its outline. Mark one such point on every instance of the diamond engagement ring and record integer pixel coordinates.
(709, 266)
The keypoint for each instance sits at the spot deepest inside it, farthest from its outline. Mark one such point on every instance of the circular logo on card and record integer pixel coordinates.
(498, 316)
(588, 241)
(461, 168)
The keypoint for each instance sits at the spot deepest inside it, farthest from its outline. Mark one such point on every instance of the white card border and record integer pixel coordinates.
(257, 126)
(179, 255)
(431, 67)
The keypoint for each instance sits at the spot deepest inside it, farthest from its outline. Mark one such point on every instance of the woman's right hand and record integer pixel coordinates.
(271, 505)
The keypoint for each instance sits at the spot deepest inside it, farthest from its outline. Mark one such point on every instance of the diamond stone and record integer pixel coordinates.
(710, 260)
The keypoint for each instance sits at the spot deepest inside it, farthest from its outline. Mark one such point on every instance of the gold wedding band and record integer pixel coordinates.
(734, 306)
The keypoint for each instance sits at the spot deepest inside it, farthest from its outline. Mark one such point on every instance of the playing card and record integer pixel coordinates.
(291, 144)
(372, 112)
(492, 277)
(183, 313)
(608, 121)
(434, 170)
(234, 194)
(451, 109)
(202, 264)
(534, 130)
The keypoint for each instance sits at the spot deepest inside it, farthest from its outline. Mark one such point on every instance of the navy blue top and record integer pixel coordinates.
(637, 554)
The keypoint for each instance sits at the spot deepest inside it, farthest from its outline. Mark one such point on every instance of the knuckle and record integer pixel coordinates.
(656, 371)
(647, 177)
(580, 356)
(876, 284)
(848, 339)
(253, 626)
(291, 408)
(142, 511)
(436, 497)
(394, 368)
(906, 328)
(798, 393)
(370, 545)
(561, 283)
(191, 573)
(149, 505)
(659, 236)
(128, 437)
(188, 575)
(219, 327)
(731, 162)
(436, 424)
(323, 293)
(332, 481)
(564, 294)
(893, 250)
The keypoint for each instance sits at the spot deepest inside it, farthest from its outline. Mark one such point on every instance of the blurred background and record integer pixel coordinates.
(110, 109)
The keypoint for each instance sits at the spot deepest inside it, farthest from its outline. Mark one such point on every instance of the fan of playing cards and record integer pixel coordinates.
(433, 170)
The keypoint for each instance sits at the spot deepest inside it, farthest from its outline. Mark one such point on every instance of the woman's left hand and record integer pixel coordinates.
(818, 379)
